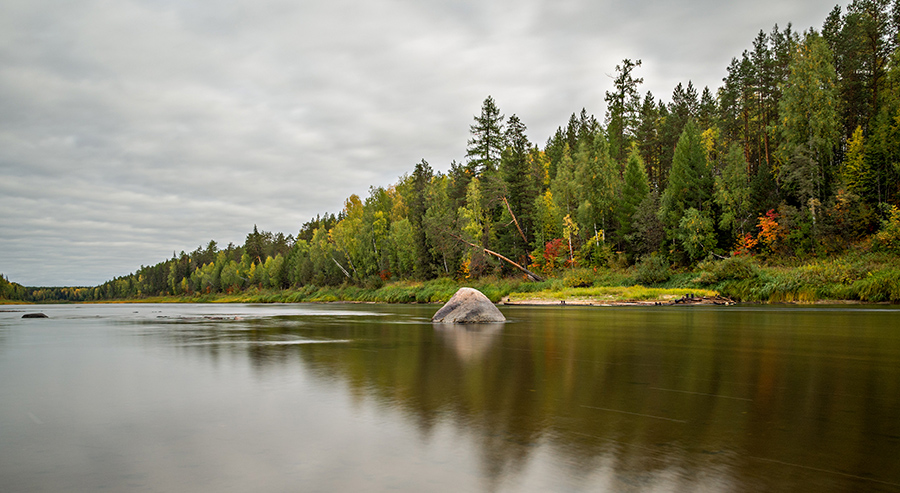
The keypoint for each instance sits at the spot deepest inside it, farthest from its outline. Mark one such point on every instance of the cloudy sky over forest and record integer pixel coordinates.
(130, 129)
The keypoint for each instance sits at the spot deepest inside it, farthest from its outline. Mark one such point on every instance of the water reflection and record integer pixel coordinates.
(692, 399)
(725, 400)
(469, 341)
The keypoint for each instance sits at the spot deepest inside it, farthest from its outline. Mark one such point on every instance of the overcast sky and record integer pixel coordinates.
(133, 129)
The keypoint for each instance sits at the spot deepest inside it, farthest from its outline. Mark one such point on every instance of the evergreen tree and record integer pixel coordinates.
(675, 116)
(255, 246)
(415, 192)
(648, 232)
(635, 190)
(706, 111)
(883, 152)
(647, 139)
(596, 181)
(460, 176)
(515, 168)
(862, 42)
(690, 180)
(622, 108)
(586, 128)
(487, 142)
(554, 150)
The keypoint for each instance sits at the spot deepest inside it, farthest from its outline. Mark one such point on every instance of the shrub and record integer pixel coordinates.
(735, 268)
(888, 237)
(652, 269)
(579, 278)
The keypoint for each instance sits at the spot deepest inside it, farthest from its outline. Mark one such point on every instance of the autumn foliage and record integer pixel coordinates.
(770, 232)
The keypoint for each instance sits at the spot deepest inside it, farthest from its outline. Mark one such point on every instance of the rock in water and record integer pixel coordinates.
(35, 315)
(468, 306)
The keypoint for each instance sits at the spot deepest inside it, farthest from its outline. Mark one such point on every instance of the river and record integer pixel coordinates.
(346, 397)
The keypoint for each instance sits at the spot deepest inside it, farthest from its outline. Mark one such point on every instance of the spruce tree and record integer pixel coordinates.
(487, 142)
(597, 182)
(647, 138)
(690, 180)
(635, 189)
(515, 169)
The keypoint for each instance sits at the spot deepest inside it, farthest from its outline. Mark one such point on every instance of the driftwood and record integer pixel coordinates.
(531, 275)
(692, 299)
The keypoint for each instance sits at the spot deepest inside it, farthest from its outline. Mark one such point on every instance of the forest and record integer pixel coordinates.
(796, 157)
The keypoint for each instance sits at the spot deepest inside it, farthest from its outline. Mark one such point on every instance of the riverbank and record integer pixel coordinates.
(856, 276)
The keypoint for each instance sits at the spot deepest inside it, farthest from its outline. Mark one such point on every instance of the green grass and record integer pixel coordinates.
(601, 294)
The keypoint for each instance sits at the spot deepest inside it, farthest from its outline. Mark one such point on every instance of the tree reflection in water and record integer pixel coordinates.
(743, 399)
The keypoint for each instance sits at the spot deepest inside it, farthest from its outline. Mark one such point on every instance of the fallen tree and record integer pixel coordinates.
(531, 275)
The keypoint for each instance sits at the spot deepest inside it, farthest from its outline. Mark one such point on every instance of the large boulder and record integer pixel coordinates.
(468, 306)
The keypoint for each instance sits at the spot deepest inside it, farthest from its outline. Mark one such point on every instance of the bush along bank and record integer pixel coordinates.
(865, 277)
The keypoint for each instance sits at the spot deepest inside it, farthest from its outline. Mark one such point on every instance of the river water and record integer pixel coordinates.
(375, 398)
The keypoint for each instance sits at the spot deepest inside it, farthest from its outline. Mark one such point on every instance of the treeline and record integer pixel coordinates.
(797, 154)
(12, 291)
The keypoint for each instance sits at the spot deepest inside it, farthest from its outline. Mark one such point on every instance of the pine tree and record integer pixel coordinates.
(862, 42)
(622, 108)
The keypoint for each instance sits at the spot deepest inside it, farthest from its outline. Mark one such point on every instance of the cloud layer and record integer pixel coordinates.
(130, 129)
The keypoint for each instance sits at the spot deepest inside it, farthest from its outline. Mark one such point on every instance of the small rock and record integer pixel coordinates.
(35, 315)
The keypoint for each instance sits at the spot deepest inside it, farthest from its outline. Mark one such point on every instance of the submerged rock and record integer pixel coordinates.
(468, 306)
(35, 315)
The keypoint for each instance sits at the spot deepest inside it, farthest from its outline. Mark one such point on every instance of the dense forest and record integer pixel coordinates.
(797, 154)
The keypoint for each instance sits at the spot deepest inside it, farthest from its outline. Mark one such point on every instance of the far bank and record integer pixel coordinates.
(856, 276)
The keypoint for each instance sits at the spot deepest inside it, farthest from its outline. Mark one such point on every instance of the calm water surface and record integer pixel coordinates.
(376, 398)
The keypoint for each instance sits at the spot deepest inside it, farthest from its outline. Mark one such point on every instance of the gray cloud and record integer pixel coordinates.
(132, 128)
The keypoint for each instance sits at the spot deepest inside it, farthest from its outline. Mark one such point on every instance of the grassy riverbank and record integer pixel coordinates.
(858, 275)
(865, 277)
